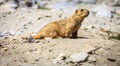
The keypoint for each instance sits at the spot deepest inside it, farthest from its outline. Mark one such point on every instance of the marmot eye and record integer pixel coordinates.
(81, 9)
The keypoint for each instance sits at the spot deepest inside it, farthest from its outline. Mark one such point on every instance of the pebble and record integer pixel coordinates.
(5, 49)
(92, 59)
(36, 41)
(41, 4)
(59, 58)
(111, 59)
(79, 57)
(12, 32)
(118, 11)
(48, 38)
(90, 49)
(1, 34)
(19, 32)
(91, 26)
(30, 39)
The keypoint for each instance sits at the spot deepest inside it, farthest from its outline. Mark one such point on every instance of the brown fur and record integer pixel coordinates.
(63, 28)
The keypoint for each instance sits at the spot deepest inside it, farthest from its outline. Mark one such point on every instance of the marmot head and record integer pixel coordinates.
(82, 12)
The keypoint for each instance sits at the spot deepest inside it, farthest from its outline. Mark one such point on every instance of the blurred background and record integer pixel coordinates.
(98, 42)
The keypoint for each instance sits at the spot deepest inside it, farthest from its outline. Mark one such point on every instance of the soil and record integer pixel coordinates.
(93, 38)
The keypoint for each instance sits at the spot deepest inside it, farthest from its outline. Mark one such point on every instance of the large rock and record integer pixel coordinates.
(103, 11)
(79, 57)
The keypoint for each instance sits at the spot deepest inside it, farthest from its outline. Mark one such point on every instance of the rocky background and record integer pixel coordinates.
(98, 42)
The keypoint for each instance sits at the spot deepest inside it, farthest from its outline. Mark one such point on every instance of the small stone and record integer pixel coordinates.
(30, 39)
(91, 26)
(12, 32)
(5, 49)
(118, 11)
(48, 38)
(89, 49)
(79, 57)
(92, 59)
(39, 18)
(19, 32)
(41, 4)
(36, 41)
(47, 16)
(59, 58)
(1, 34)
(111, 59)
(50, 50)
(28, 3)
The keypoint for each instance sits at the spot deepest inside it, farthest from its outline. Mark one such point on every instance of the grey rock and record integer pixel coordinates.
(86, 1)
(12, 4)
(2, 34)
(103, 11)
(41, 4)
(79, 57)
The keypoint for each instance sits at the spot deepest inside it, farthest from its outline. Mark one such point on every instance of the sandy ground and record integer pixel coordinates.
(93, 38)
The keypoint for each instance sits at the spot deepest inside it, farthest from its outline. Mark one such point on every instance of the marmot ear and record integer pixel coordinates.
(76, 11)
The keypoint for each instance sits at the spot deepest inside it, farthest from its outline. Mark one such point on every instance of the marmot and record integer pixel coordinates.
(63, 28)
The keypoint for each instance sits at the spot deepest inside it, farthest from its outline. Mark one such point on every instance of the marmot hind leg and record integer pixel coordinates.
(52, 34)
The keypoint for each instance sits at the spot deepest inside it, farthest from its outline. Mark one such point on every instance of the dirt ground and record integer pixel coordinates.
(93, 38)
